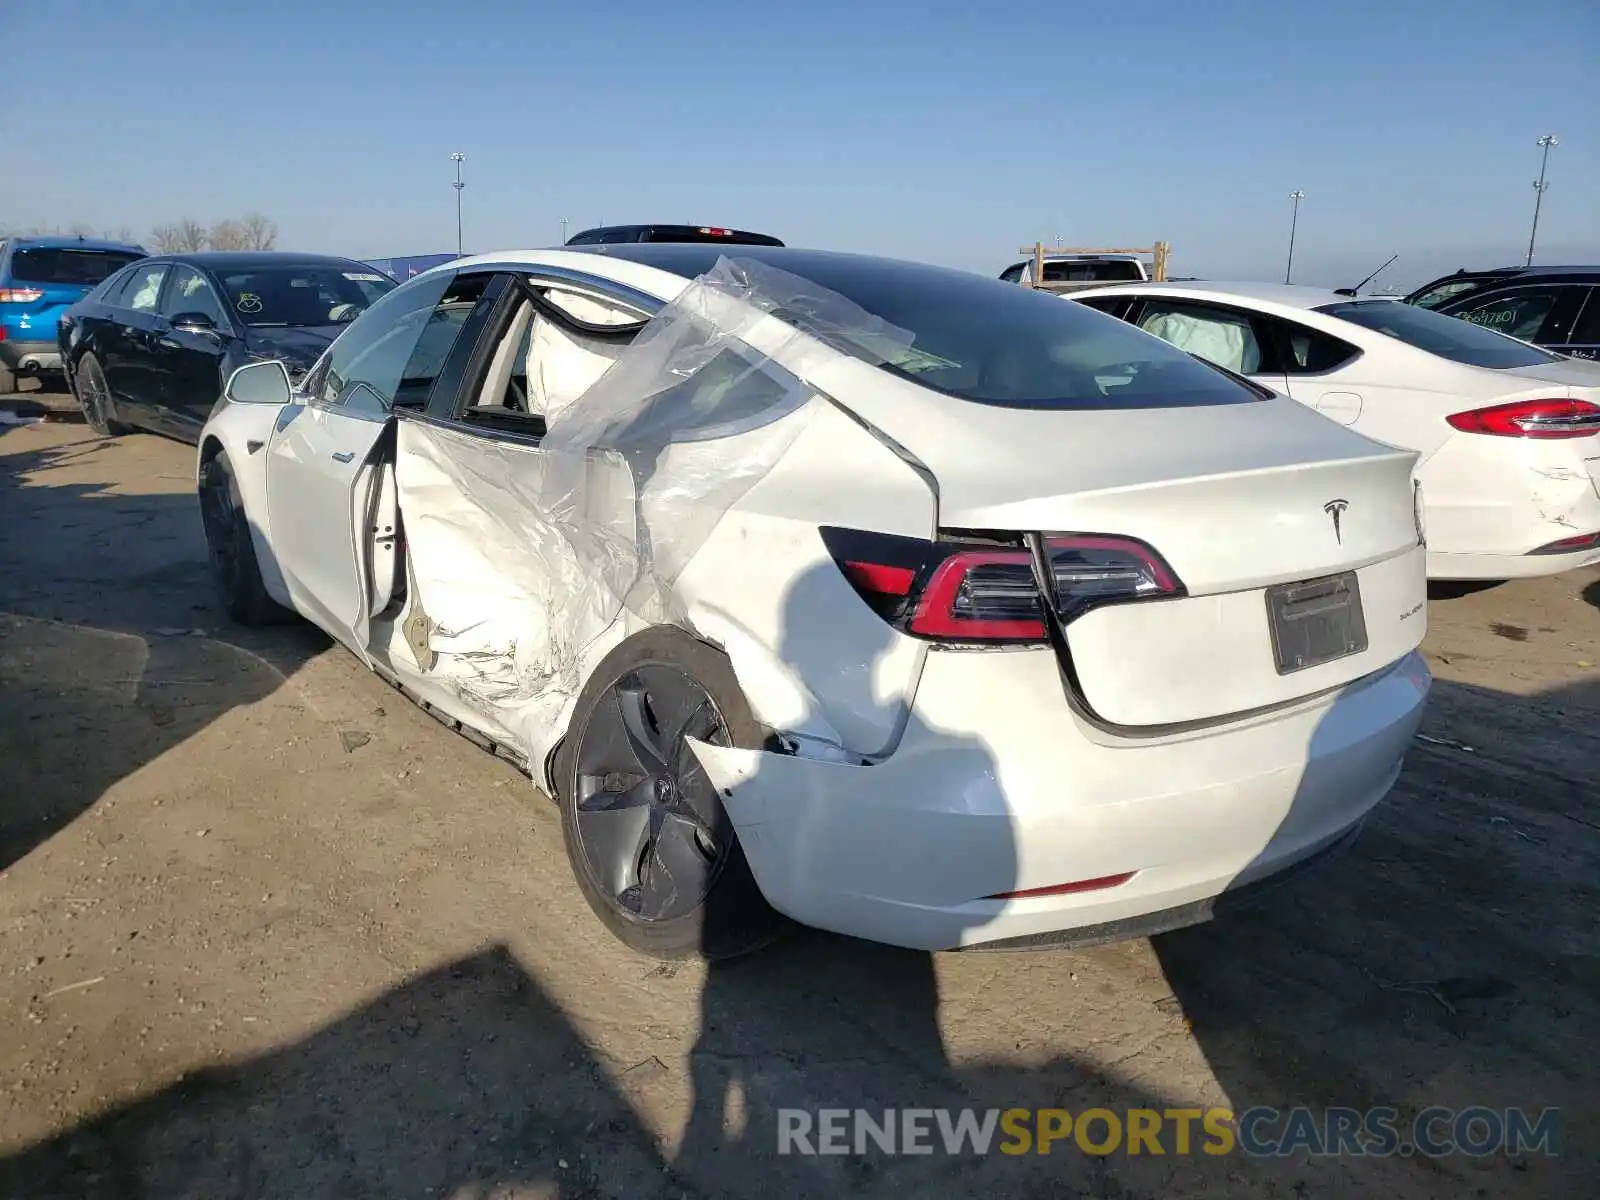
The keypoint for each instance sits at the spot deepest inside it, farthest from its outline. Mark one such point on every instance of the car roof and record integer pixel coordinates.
(56, 241)
(732, 236)
(243, 260)
(1289, 295)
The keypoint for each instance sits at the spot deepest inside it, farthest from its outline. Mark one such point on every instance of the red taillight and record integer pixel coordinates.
(981, 596)
(1066, 889)
(1531, 419)
(964, 592)
(19, 295)
(1584, 541)
(713, 232)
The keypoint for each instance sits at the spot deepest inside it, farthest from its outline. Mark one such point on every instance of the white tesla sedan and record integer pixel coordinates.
(894, 600)
(1507, 432)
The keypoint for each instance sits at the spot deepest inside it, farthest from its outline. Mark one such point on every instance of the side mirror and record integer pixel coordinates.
(194, 322)
(259, 383)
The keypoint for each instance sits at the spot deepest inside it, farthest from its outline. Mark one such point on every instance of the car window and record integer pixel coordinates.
(1013, 274)
(302, 295)
(1439, 293)
(1109, 271)
(110, 291)
(1214, 334)
(68, 265)
(1585, 335)
(1115, 305)
(144, 287)
(191, 292)
(1308, 351)
(398, 346)
(1518, 313)
(1458, 341)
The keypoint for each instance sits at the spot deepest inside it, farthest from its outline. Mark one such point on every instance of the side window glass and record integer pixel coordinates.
(1114, 306)
(1310, 351)
(1012, 274)
(1518, 314)
(1436, 296)
(1214, 334)
(1585, 335)
(379, 346)
(191, 292)
(144, 288)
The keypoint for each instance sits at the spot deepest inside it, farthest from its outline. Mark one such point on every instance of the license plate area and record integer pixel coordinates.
(1315, 621)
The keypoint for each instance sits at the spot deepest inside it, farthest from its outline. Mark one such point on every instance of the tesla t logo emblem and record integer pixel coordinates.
(1335, 509)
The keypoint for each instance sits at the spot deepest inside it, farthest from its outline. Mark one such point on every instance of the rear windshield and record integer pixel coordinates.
(306, 295)
(1111, 271)
(994, 343)
(68, 266)
(1448, 337)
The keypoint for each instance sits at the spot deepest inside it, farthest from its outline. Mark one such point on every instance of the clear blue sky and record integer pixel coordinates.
(948, 132)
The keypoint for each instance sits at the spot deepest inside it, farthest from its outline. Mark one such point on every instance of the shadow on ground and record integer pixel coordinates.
(112, 648)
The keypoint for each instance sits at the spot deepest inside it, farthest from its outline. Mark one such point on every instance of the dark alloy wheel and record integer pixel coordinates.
(232, 554)
(94, 397)
(653, 836)
(652, 846)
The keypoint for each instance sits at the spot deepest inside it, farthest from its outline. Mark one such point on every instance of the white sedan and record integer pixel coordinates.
(888, 599)
(1507, 432)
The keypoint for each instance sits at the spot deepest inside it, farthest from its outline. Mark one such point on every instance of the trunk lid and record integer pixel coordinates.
(1238, 500)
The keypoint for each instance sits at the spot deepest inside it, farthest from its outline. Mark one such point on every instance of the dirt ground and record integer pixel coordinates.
(267, 930)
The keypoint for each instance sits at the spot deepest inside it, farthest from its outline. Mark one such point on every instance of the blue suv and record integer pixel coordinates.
(40, 277)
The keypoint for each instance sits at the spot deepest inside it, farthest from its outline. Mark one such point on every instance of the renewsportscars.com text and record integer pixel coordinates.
(1259, 1132)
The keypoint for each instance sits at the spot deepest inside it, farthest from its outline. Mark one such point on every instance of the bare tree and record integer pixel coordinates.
(122, 233)
(179, 237)
(260, 232)
(79, 229)
(226, 234)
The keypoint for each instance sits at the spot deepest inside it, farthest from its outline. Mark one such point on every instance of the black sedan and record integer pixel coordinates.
(154, 345)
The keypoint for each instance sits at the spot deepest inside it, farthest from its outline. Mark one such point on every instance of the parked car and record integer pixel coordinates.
(609, 235)
(39, 278)
(1506, 431)
(1554, 307)
(742, 560)
(1067, 272)
(153, 346)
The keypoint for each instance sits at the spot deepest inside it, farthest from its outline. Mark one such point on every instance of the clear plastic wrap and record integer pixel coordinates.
(530, 561)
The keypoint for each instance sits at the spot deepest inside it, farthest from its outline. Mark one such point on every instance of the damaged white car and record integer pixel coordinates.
(1508, 434)
(893, 600)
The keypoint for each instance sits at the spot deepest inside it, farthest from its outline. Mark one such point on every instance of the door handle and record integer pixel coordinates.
(343, 456)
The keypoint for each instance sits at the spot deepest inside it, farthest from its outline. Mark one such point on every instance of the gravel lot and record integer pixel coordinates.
(267, 930)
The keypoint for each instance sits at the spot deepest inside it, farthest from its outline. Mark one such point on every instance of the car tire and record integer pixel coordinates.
(94, 398)
(653, 850)
(230, 548)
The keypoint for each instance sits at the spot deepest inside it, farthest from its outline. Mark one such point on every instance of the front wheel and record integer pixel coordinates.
(652, 847)
(232, 553)
(94, 397)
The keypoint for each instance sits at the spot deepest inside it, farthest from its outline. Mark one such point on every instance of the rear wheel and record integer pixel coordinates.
(94, 397)
(231, 551)
(653, 849)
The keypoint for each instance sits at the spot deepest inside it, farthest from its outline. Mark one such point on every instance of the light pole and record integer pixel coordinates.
(1539, 189)
(458, 158)
(1294, 219)
(563, 231)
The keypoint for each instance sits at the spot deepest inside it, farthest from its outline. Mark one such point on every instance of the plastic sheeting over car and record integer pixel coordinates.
(531, 561)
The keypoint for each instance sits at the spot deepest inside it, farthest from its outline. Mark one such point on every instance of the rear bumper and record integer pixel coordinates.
(996, 788)
(1507, 566)
(27, 356)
